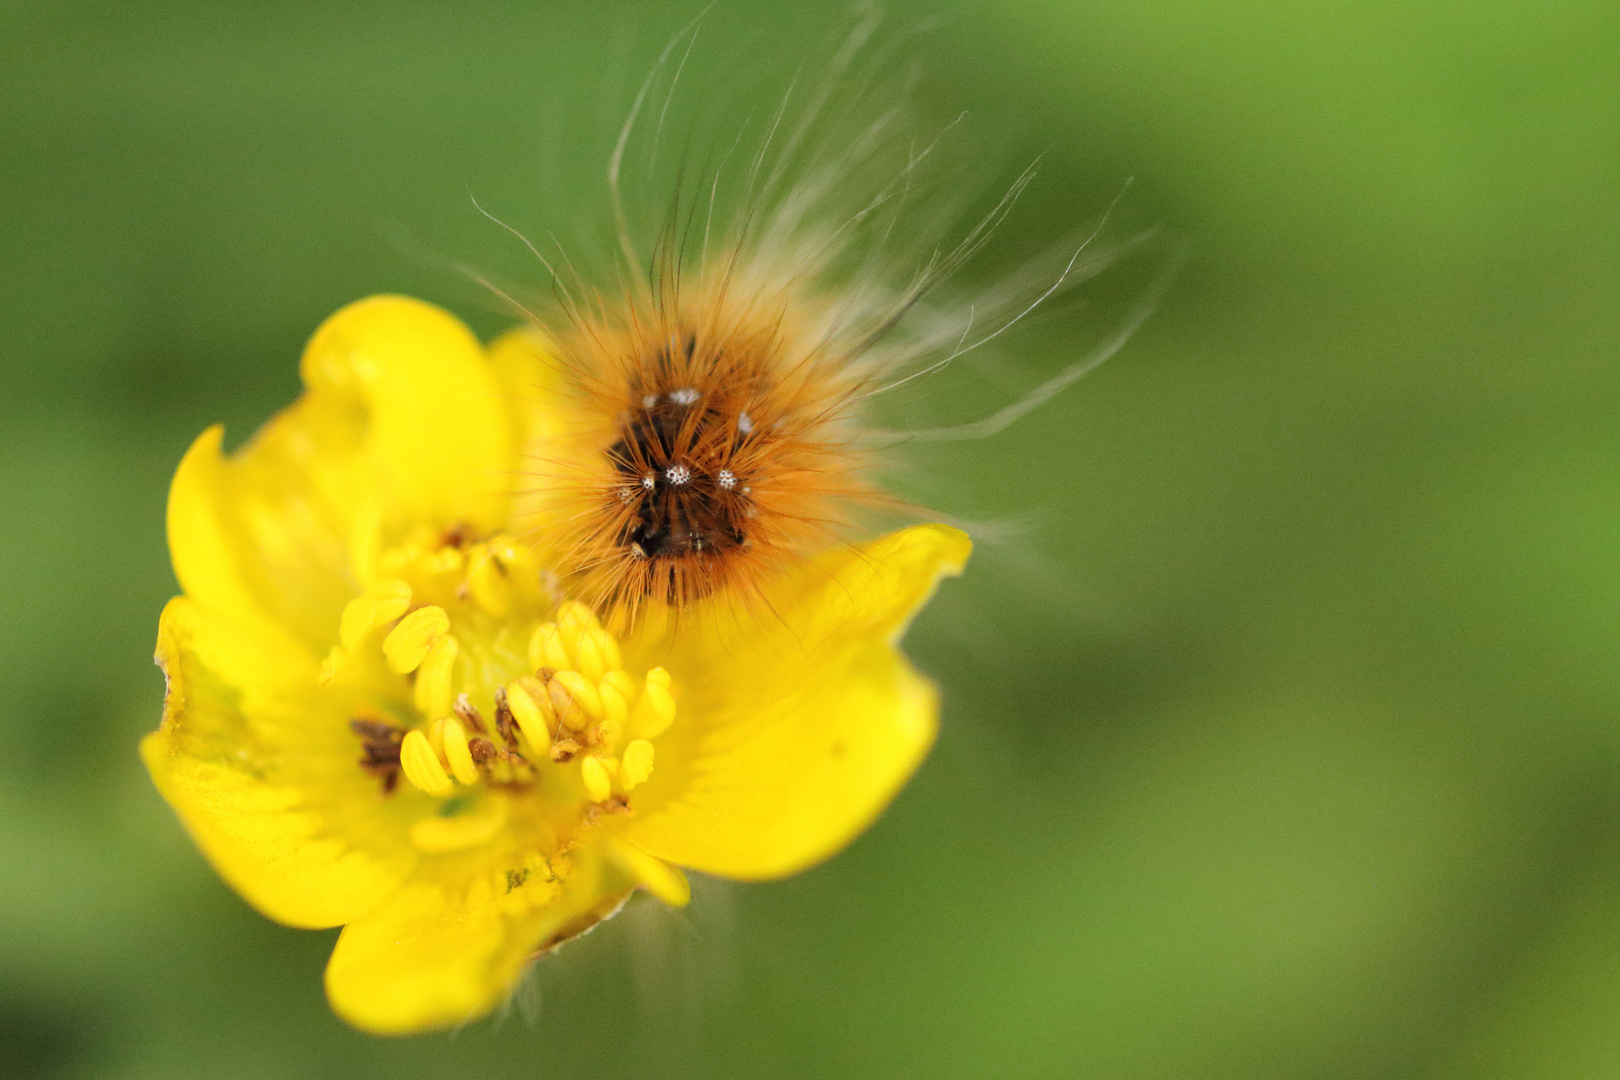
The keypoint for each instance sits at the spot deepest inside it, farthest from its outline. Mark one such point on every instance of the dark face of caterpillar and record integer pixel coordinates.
(724, 457)
(676, 455)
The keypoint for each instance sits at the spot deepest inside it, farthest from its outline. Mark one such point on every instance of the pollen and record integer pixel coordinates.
(464, 627)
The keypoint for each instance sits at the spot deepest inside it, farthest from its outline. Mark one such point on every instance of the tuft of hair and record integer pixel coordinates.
(721, 388)
(720, 420)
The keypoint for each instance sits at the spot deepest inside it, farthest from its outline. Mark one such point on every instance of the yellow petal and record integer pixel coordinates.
(546, 416)
(202, 546)
(437, 437)
(264, 774)
(806, 723)
(534, 390)
(401, 423)
(438, 955)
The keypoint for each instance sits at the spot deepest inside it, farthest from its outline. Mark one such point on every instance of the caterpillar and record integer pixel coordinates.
(721, 387)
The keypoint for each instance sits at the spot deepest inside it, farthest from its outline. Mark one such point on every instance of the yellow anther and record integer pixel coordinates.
(574, 621)
(456, 753)
(449, 560)
(422, 766)
(636, 764)
(610, 649)
(622, 681)
(433, 688)
(597, 772)
(571, 686)
(588, 658)
(615, 705)
(531, 716)
(574, 617)
(478, 824)
(510, 552)
(655, 708)
(522, 576)
(487, 584)
(407, 644)
(608, 737)
(546, 649)
(384, 602)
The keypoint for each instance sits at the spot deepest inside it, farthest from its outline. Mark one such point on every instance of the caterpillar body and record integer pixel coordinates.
(722, 387)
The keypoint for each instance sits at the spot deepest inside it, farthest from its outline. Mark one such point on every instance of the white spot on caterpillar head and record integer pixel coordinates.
(649, 481)
(727, 479)
(684, 396)
(745, 423)
(626, 494)
(649, 400)
(677, 474)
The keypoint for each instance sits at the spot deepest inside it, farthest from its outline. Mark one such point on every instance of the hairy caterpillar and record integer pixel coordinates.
(722, 386)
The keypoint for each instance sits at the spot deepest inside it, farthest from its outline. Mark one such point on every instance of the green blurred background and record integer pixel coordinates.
(1282, 730)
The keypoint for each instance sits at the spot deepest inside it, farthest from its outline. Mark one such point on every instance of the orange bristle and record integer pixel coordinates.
(718, 444)
(719, 433)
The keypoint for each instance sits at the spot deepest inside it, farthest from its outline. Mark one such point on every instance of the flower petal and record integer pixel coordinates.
(263, 772)
(402, 422)
(799, 729)
(437, 954)
(438, 440)
(532, 384)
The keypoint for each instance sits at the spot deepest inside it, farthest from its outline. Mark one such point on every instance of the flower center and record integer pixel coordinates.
(495, 691)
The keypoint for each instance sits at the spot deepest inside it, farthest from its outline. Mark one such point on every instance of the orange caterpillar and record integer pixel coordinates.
(719, 397)
(723, 429)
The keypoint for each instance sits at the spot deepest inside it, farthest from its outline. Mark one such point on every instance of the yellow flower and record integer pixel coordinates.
(383, 714)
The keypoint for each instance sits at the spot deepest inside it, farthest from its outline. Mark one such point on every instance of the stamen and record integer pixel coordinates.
(546, 648)
(456, 751)
(407, 644)
(468, 713)
(530, 714)
(576, 703)
(382, 603)
(609, 645)
(487, 584)
(450, 561)
(574, 621)
(635, 764)
(575, 690)
(620, 680)
(433, 691)
(597, 772)
(422, 767)
(588, 659)
(615, 703)
(655, 709)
